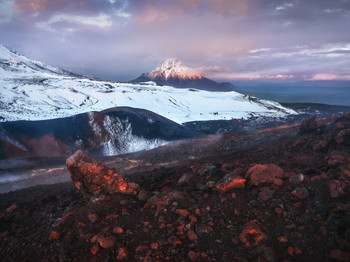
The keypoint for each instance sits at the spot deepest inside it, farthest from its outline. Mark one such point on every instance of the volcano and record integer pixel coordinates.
(173, 72)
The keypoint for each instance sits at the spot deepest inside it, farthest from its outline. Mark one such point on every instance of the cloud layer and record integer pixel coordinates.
(225, 39)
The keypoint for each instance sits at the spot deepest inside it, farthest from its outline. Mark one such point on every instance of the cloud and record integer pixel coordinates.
(274, 39)
(284, 6)
(260, 50)
(329, 76)
(6, 11)
(211, 70)
(31, 5)
(102, 21)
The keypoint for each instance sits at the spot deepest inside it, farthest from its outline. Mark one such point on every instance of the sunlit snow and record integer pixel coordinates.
(31, 90)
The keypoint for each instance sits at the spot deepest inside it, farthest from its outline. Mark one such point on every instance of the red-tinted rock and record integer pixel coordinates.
(118, 230)
(54, 235)
(174, 240)
(265, 195)
(123, 253)
(278, 182)
(252, 235)
(143, 195)
(193, 256)
(93, 218)
(154, 245)
(335, 188)
(300, 192)
(230, 181)
(203, 228)
(182, 212)
(264, 174)
(339, 255)
(95, 249)
(11, 208)
(191, 235)
(93, 178)
(107, 241)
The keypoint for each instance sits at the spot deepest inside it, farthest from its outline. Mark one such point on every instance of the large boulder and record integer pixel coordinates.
(264, 174)
(92, 178)
(230, 181)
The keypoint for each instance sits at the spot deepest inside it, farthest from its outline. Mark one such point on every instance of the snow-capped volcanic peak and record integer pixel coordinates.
(173, 68)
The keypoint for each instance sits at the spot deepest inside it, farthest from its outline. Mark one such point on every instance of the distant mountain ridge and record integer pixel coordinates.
(175, 73)
(31, 90)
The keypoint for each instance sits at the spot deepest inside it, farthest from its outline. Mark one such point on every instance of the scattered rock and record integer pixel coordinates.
(339, 255)
(230, 181)
(173, 240)
(93, 218)
(143, 195)
(11, 208)
(154, 245)
(264, 173)
(185, 178)
(123, 253)
(118, 230)
(252, 235)
(268, 254)
(308, 126)
(265, 195)
(282, 239)
(192, 235)
(193, 218)
(95, 249)
(54, 235)
(193, 256)
(93, 178)
(295, 180)
(182, 212)
(335, 188)
(300, 192)
(203, 228)
(107, 241)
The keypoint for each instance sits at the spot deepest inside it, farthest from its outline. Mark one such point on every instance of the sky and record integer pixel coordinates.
(226, 40)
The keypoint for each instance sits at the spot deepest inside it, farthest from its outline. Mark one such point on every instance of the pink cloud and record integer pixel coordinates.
(31, 5)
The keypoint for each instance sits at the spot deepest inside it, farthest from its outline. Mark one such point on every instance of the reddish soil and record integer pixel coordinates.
(303, 214)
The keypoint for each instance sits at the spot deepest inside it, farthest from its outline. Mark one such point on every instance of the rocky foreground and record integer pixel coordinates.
(279, 194)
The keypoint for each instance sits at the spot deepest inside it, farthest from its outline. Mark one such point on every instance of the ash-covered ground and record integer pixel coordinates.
(291, 203)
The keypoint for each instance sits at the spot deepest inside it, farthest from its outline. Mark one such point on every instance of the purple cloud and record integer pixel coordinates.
(227, 40)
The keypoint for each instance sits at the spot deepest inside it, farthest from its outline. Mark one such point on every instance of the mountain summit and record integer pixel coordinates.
(173, 68)
(173, 72)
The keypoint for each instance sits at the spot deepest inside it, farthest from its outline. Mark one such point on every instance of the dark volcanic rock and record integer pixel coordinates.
(230, 181)
(93, 178)
(264, 174)
(308, 126)
(300, 213)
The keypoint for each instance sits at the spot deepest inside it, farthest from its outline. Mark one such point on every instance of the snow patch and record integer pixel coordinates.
(121, 140)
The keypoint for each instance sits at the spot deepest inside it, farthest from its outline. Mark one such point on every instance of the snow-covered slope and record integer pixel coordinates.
(13, 64)
(31, 90)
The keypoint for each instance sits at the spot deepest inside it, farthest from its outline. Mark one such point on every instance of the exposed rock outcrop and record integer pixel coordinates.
(92, 178)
